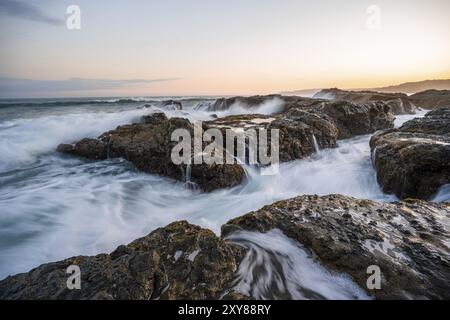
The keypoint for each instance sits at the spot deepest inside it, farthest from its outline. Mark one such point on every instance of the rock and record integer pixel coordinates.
(180, 261)
(297, 131)
(304, 127)
(357, 119)
(431, 99)
(148, 146)
(223, 104)
(414, 160)
(408, 240)
(399, 102)
(89, 148)
(171, 105)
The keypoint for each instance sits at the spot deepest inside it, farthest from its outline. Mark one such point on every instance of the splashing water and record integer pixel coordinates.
(277, 267)
(54, 206)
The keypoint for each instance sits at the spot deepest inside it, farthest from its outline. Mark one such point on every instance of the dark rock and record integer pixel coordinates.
(148, 146)
(414, 160)
(399, 102)
(180, 261)
(313, 124)
(357, 119)
(431, 99)
(407, 240)
(349, 235)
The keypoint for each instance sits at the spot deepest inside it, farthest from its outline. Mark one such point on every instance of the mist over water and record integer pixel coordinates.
(54, 206)
(277, 267)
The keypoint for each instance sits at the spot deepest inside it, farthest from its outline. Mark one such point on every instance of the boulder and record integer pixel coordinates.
(414, 160)
(148, 146)
(408, 240)
(180, 261)
(431, 99)
(399, 102)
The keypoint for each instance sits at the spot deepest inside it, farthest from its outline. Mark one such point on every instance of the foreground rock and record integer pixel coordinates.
(399, 102)
(408, 241)
(431, 99)
(180, 261)
(414, 160)
(148, 146)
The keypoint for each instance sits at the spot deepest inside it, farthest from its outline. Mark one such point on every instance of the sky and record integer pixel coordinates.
(216, 47)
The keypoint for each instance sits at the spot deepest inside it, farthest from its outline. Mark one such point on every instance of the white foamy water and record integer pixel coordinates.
(53, 206)
(277, 267)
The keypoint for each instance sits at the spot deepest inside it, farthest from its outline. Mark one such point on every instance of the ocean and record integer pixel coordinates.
(54, 206)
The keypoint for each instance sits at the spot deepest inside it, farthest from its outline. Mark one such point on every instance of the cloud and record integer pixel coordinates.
(11, 86)
(27, 11)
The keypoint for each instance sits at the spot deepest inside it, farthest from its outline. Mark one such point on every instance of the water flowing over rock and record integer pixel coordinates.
(414, 160)
(148, 146)
(431, 99)
(308, 124)
(399, 102)
(408, 240)
(311, 247)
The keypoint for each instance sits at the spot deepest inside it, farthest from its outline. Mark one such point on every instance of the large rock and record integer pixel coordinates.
(310, 125)
(431, 99)
(399, 102)
(408, 241)
(414, 160)
(148, 146)
(180, 261)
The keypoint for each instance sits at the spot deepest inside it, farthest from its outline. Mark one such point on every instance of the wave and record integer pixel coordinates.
(23, 140)
(277, 267)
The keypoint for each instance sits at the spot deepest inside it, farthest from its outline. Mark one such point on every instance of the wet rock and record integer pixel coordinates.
(307, 126)
(357, 119)
(407, 240)
(399, 102)
(349, 235)
(180, 261)
(171, 104)
(414, 160)
(223, 104)
(148, 146)
(431, 99)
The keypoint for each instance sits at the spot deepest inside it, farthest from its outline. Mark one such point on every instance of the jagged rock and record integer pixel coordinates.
(180, 261)
(313, 124)
(399, 102)
(431, 99)
(414, 160)
(356, 119)
(171, 105)
(148, 146)
(408, 240)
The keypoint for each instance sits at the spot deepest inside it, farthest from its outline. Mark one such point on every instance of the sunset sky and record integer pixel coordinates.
(209, 47)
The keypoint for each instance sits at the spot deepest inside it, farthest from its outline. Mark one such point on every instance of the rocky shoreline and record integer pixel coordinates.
(408, 241)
